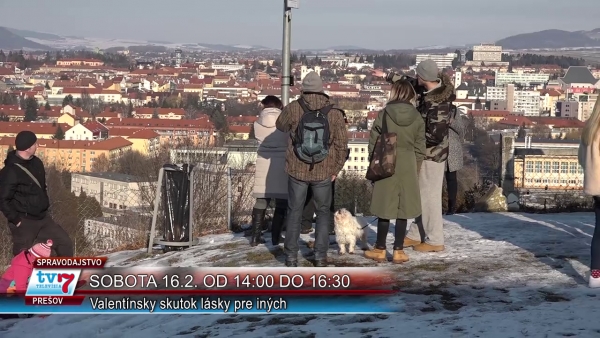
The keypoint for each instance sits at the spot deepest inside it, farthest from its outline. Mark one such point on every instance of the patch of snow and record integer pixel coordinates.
(243, 46)
(501, 275)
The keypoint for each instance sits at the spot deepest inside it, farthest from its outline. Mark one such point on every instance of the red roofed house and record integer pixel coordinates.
(42, 130)
(90, 130)
(145, 141)
(239, 132)
(484, 118)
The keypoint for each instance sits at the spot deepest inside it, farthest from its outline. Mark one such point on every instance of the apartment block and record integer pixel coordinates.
(442, 60)
(556, 169)
(358, 162)
(521, 78)
(115, 192)
(518, 102)
(568, 108)
(73, 156)
(487, 53)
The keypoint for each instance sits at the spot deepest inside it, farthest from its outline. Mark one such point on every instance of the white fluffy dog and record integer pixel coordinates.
(347, 231)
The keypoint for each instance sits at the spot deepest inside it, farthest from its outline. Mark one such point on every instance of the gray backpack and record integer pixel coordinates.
(311, 140)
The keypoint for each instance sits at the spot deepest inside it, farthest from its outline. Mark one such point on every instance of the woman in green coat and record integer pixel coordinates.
(397, 197)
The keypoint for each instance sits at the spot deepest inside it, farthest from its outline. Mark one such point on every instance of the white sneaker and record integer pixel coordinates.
(594, 280)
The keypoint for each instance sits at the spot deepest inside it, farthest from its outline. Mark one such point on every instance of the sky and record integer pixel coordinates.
(377, 24)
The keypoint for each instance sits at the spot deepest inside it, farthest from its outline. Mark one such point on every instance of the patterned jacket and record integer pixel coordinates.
(435, 107)
(456, 140)
(338, 139)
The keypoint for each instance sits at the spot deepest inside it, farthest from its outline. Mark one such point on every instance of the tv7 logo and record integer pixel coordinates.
(65, 278)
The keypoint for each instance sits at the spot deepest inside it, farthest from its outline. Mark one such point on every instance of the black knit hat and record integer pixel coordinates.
(25, 140)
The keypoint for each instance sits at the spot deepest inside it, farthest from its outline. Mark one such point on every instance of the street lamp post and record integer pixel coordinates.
(286, 78)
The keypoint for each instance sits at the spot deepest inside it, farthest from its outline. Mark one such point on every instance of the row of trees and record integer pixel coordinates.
(527, 60)
(109, 59)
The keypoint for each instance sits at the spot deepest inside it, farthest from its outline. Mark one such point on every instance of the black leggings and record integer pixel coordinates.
(383, 226)
(452, 184)
(596, 238)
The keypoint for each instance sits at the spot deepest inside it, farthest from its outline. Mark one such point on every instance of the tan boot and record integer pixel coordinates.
(425, 247)
(399, 257)
(377, 255)
(410, 242)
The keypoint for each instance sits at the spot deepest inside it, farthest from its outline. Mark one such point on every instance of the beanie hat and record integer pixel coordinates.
(428, 70)
(312, 83)
(41, 249)
(25, 140)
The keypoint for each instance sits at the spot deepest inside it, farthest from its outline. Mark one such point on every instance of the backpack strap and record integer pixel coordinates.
(304, 106)
(29, 174)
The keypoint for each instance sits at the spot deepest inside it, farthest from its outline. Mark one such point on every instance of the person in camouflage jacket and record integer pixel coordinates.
(435, 107)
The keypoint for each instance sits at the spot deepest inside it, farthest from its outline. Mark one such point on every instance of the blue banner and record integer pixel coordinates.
(209, 305)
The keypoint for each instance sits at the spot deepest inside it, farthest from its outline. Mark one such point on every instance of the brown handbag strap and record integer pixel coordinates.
(384, 128)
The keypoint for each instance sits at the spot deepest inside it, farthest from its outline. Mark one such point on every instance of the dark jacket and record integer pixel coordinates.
(338, 151)
(435, 108)
(398, 196)
(20, 196)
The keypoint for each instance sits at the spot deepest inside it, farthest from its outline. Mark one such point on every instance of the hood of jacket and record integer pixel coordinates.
(315, 101)
(268, 117)
(443, 93)
(402, 113)
(12, 158)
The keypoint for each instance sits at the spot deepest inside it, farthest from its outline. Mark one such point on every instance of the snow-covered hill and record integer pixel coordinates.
(502, 275)
(78, 42)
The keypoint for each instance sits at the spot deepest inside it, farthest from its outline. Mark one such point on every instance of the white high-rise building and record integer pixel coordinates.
(520, 78)
(457, 78)
(487, 52)
(519, 102)
(442, 60)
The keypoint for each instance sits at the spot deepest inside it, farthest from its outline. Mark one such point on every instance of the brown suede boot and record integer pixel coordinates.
(399, 257)
(377, 255)
(425, 247)
(410, 242)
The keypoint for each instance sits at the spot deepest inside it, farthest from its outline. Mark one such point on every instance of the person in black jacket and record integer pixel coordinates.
(24, 199)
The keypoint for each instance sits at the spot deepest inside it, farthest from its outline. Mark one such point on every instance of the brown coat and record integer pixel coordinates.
(288, 122)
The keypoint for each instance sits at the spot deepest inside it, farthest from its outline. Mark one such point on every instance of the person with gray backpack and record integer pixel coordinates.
(316, 153)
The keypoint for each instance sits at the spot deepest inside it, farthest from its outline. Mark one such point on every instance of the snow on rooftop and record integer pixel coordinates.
(502, 275)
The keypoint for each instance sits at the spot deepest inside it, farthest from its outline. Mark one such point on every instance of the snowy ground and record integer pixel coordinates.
(502, 275)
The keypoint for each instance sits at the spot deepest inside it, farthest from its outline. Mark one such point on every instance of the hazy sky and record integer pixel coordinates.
(385, 24)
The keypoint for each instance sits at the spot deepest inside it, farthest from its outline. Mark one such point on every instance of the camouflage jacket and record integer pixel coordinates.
(435, 108)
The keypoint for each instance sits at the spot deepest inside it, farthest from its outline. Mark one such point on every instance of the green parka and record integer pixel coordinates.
(398, 196)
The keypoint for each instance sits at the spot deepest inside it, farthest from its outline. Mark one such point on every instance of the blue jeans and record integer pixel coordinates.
(297, 191)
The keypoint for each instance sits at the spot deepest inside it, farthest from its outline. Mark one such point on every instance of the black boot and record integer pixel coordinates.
(258, 218)
(277, 225)
(451, 207)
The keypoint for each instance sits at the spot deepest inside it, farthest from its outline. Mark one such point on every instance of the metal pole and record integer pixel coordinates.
(286, 57)
(229, 198)
(156, 207)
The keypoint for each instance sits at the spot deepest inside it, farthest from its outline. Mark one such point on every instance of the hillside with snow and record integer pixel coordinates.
(502, 275)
